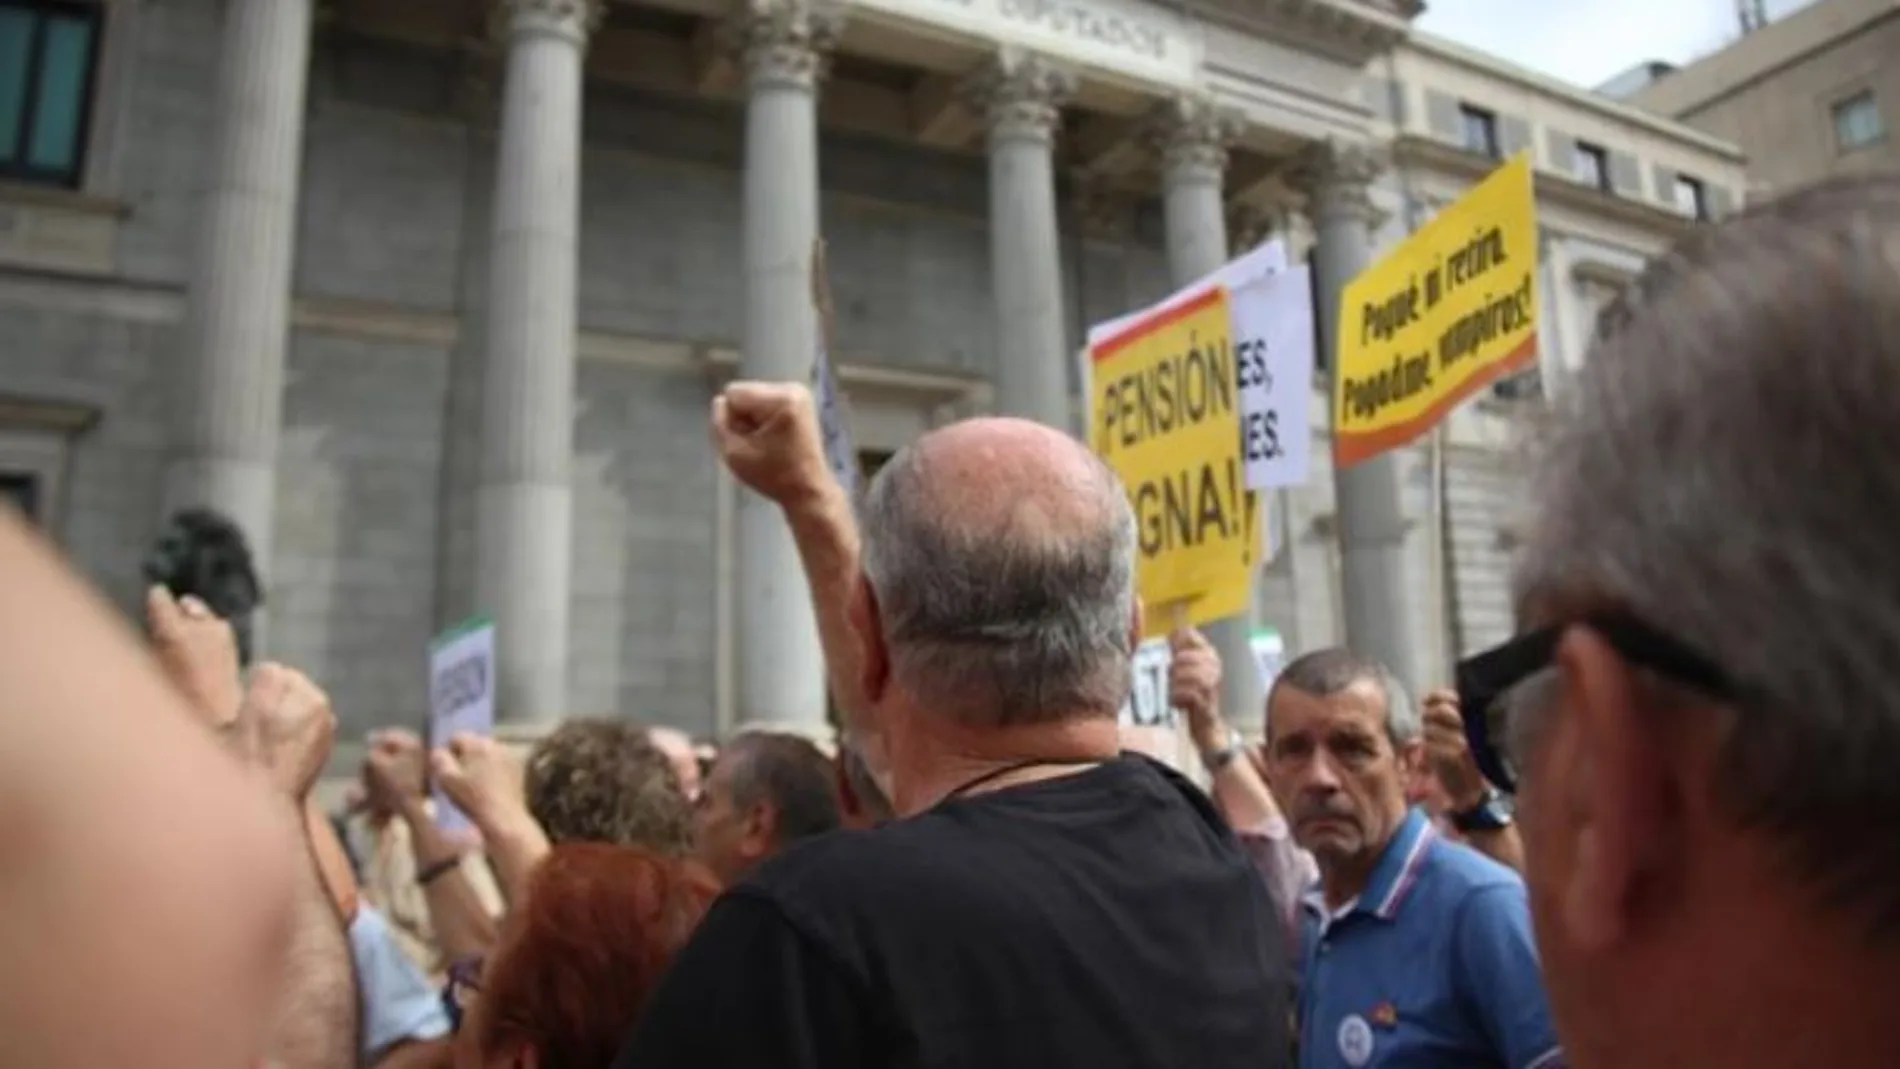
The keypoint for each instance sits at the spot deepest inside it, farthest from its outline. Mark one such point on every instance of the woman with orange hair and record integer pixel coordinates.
(578, 957)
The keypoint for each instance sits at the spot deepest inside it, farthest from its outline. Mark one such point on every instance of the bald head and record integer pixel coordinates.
(1017, 479)
(1002, 555)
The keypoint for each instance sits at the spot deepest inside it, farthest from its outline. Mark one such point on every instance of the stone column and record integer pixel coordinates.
(524, 505)
(1191, 135)
(1369, 508)
(1020, 94)
(228, 411)
(783, 45)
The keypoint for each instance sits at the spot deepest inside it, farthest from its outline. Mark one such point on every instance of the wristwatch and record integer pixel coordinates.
(1493, 813)
(1217, 759)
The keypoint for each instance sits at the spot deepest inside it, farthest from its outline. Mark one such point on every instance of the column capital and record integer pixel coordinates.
(1020, 94)
(1191, 132)
(785, 42)
(574, 20)
(1337, 177)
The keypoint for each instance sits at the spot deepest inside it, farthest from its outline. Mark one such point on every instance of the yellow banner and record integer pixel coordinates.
(1450, 311)
(1164, 415)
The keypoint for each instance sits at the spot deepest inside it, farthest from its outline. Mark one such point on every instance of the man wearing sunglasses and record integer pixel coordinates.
(1417, 951)
(1702, 711)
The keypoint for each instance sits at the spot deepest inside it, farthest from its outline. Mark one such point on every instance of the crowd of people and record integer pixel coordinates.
(1654, 829)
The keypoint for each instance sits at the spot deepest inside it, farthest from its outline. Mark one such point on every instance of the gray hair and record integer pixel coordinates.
(1001, 625)
(1726, 467)
(1325, 672)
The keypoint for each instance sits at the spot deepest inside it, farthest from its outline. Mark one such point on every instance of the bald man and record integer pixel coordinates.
(1044, 899)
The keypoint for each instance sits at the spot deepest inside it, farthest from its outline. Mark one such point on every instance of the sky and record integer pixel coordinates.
(1587, 42)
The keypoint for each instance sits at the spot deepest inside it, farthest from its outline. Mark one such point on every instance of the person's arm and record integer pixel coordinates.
(1494, 961)
(769, 436)
(462, 926)
(826, 534)
(129, 836)
(1464, 784)
(515, 845)
(395, 776)
(316, 1022)
(749, 992)
(401, 1010)
(484, 777)
(1502, 845)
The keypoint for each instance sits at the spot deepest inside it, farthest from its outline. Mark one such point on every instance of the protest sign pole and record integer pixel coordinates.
(1369, 511)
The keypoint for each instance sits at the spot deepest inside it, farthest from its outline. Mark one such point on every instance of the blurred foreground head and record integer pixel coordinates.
(1704, 702)
(578, 959)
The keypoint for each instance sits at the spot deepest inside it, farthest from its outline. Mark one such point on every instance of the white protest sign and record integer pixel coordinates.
(838, 451)
(1268, 259)
(1147, 705)
(1269, 654)
(461, 697)
(1274, 353)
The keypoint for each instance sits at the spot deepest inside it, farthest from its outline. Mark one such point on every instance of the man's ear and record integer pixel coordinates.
(1134, 627)
(1610, 794)
(759, 830)
(862, 612)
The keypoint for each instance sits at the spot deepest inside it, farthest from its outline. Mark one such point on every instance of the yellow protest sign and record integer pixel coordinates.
(1164, 416)
(1451, 310)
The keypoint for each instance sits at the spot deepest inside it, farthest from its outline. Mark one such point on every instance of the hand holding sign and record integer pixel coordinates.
(1194, 677)
(767, 435)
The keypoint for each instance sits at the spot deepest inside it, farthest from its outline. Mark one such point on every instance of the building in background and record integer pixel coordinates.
(433, 296)
(1814, 94)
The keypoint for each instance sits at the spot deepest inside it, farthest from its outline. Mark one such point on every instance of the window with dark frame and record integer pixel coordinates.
(1591, 165)
(1480, 130)
(1692, 199)
(48, 49)
(1857, 121)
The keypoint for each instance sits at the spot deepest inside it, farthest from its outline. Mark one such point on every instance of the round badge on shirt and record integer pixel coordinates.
(1355, 1041)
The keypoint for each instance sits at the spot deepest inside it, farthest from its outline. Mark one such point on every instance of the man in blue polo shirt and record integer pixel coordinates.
(1417, 952)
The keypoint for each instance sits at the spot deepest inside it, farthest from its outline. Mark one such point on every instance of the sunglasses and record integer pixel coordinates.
(1486, 680)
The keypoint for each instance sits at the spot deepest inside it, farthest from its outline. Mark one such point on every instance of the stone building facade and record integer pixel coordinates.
(433, 296)
(1813, 94)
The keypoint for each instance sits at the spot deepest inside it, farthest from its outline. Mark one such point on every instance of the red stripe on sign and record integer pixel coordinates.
(1107, 349)
(1354, 448)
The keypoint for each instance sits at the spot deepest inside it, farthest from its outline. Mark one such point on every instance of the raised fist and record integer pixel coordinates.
(199, 653)
(395, 772)
(767, 434)
(482, 776)
(286, 727)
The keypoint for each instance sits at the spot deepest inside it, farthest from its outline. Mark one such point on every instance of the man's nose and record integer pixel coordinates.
(1324, 775)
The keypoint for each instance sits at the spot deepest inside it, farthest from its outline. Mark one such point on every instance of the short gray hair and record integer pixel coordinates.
(1002, 626)
(1325, 672)
(1726, 467)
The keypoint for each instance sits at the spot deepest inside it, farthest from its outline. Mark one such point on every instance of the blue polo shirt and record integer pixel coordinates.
(1432, 966)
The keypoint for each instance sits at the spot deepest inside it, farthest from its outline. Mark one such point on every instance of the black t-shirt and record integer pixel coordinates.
(1103, 919)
